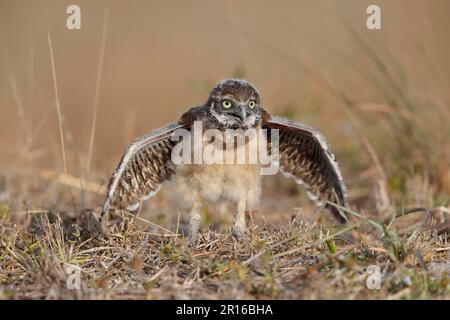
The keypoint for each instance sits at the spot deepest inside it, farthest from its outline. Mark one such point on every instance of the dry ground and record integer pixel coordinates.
(294, 259)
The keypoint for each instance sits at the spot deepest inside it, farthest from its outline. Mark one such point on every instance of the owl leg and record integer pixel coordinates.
(194, 224)
(239, 220)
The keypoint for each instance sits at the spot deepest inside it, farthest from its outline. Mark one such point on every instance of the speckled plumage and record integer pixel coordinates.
(304, 156)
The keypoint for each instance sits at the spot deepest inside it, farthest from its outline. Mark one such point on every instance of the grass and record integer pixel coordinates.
(298, 261)
(57, 103)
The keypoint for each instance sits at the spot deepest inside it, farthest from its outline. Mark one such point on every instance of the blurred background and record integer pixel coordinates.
(380, 96)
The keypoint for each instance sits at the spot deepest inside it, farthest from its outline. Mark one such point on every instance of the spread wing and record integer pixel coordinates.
(306, 156)
(144, 166)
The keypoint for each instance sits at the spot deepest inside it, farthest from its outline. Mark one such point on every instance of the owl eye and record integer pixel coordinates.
(252, 104)
(226, 104)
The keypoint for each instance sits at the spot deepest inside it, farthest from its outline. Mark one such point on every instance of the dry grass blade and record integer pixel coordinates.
(325, 239)
(97, 90)
(150, 223)
(57, 102)
(74, 182)
(372, 222)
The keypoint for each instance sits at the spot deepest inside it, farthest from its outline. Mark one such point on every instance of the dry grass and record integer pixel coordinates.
(297, 261)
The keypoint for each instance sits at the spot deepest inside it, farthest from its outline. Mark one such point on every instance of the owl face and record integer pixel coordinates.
(235, 104)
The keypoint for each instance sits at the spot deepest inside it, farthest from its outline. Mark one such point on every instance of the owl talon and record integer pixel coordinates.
(238, 234)
(192, 242)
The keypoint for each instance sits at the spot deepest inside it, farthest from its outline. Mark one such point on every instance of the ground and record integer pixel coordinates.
(295, 258)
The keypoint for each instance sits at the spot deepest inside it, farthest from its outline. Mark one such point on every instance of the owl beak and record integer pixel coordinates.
(241, 114)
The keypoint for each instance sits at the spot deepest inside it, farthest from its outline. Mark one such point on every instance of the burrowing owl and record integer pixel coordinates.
(303, 154)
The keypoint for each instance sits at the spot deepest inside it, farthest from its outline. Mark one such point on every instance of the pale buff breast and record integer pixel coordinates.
(219, 182)
(224, 182)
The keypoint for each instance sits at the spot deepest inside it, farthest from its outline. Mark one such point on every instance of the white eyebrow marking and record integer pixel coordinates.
(227, 96)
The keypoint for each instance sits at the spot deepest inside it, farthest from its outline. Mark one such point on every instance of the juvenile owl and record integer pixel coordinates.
(231, 120)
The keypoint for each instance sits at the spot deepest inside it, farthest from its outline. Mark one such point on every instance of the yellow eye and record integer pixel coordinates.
(252, 104)
(226, 104)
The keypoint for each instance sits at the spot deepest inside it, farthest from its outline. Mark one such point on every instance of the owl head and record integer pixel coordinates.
(235, 104)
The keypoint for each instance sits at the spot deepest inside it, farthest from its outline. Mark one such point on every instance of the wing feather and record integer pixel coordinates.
(145, 164)
(306, 156)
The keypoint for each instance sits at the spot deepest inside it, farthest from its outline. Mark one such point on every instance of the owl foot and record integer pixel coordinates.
(238, 233)
(194, 225)
(192, 241)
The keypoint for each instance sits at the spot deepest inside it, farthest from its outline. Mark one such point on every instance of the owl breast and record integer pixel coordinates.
(221, 181)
